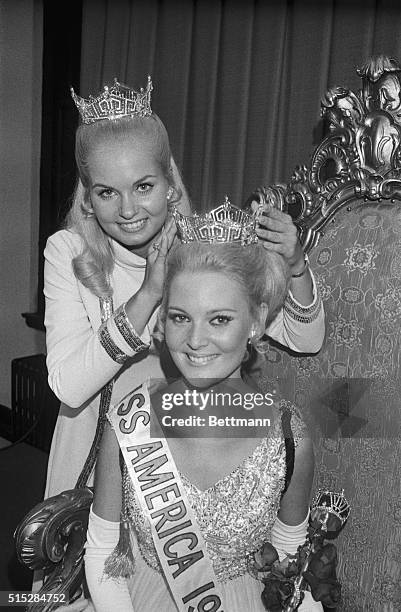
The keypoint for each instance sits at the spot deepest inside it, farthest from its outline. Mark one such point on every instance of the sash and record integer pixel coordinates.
(176, 535)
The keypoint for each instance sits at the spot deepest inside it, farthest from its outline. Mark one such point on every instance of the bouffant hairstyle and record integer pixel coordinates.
(263, 275)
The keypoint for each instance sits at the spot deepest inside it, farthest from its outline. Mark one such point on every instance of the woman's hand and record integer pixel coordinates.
(140, 306)
(156, 261)
(278, 233)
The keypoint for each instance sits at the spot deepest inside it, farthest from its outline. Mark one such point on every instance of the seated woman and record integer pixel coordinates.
(200, 506)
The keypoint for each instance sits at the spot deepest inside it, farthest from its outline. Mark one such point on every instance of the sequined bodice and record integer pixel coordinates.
(237, 513)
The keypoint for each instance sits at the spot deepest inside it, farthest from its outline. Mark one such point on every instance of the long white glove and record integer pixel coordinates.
(106, 593)
(286, 539)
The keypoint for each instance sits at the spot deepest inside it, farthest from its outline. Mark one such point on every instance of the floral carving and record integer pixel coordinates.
(324, 256)
(345, 332)
(324, 288)
(307, 366)
(361, 258)
(352, 295)
(384, 344)
(389, 303)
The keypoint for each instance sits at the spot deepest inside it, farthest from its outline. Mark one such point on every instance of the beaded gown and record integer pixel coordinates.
(235, 516)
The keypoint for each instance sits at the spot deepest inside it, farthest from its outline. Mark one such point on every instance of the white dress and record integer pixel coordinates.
(79, 366)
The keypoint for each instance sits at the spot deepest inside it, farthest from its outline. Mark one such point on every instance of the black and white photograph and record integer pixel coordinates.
(200, 374)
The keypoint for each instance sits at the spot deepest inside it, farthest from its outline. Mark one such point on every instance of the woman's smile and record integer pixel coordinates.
(201, 360)
(133, 226)
(208, 325)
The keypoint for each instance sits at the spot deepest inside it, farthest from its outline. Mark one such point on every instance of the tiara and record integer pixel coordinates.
(331, 502)
(226, 223)
(114, 102)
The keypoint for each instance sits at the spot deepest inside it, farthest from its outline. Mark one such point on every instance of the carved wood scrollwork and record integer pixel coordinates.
(359, 158)
(52, 538)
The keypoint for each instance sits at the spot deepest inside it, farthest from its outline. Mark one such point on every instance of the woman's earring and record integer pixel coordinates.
(252, 337)
(89, 214)
(249, 346)
(170, 192)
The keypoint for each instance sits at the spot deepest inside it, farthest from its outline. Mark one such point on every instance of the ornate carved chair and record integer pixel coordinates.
(347, 204)
(52, 538)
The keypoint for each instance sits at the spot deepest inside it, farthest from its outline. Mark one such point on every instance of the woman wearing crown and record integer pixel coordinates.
(203, 488)
(104, 272)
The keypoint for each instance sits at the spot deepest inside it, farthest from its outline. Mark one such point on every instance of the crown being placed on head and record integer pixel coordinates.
(114, 102)
(226, 223)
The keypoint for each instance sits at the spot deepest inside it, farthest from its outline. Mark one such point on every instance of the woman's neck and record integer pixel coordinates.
(141, 251)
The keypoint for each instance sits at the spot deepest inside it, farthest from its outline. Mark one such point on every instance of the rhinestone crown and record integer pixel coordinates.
(113, 102)
(330, 501)
(226, 223)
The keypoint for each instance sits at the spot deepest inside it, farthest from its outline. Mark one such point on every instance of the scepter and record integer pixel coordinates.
(329, 513)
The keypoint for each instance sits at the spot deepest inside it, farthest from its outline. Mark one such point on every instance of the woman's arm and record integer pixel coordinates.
(300, 324)
(107, 497)
(103, 531)
(290, 528)
(294, 505)
(301, 328)
(77, 363)
(82, 360)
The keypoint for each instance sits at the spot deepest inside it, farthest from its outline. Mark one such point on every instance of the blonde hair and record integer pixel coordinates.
(263, 275)
(94, 265)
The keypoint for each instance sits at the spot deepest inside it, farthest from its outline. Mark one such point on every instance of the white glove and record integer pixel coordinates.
(286, 539)
(106, 593)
